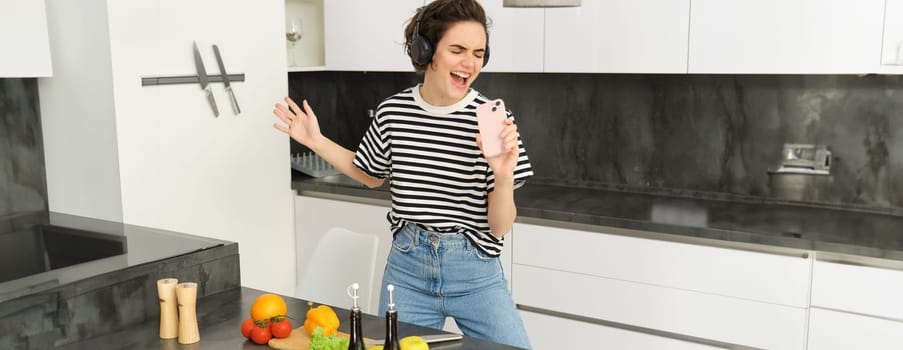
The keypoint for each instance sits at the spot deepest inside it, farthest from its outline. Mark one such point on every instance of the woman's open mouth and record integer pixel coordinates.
(460, 78)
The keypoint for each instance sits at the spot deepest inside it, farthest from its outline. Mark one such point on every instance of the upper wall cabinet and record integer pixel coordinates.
(618, 36)
(364, 35)
(515, 38)
(23, 36)
(795, 37)
(305, 48)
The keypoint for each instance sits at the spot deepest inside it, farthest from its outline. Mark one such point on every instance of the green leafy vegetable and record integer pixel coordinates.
(318, 341)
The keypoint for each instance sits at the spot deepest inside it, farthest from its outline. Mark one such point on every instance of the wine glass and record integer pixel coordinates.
(293, 33)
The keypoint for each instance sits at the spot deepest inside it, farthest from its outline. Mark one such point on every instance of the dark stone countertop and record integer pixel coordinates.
(52, 250)
(219, 322)
(852, 236)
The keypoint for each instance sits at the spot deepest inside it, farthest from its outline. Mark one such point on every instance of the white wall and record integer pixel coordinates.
(77, 115)
(179, 168)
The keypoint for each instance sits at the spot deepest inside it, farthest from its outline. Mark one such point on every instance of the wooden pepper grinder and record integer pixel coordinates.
(188, 319)
(169, 315)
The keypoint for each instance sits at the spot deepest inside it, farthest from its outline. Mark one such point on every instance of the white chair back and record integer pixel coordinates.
(341, 257)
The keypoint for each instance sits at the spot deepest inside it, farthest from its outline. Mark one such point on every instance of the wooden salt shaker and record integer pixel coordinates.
(169, 317)
(188, 319)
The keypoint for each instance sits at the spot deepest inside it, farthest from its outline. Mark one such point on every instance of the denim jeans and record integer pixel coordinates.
(437, 275)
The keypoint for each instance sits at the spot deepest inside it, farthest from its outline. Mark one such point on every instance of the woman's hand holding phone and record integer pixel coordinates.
(497, 137)
(491, 121)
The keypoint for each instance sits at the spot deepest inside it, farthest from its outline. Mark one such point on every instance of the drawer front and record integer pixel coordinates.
(550, 332)
(771, 278)
(860, 289)
(701, 315)
(834, 330)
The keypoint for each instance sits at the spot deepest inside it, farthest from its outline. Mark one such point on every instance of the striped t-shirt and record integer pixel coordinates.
(439, 179)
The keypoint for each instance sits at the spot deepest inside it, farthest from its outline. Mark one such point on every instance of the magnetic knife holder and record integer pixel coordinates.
(190, 79)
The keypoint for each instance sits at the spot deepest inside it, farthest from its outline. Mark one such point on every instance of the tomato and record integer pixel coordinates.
(261, 335)
(281, 328)
(267, 306)
(247, 326)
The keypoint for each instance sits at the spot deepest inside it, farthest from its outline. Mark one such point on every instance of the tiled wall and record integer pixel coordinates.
(23, 186)
(688, 134)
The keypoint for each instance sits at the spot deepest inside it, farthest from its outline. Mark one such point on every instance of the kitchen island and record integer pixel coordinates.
(219, 321)
(70, 278)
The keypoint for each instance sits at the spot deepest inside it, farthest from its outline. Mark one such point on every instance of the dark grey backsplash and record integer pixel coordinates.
(23, 184)
(713, 136)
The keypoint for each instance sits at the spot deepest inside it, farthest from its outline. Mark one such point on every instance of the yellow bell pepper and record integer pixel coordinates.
(321, 316)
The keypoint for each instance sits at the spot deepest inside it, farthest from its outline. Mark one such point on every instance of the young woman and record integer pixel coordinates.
(451, 205)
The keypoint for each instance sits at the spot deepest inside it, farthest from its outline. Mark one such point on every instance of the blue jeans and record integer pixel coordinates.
(437, 275)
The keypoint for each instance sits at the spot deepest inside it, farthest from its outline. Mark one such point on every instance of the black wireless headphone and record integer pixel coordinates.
(420, 49)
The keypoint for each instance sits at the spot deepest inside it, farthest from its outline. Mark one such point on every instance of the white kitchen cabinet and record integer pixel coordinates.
(785, 37)
(156, 156)
(309, 52)
(834, 330)
(515, 38)
(855, 306)
(719, 318)
(24, 38)
(550, 332)
(728, 296)
(618, 36)
(770, 278)
(858, 289)
(362, 35)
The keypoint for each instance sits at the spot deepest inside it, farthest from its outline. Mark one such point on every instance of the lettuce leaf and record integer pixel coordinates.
(318, 341)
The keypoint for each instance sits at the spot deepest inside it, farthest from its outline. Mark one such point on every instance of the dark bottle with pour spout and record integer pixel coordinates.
(391, 342)
(356, 340)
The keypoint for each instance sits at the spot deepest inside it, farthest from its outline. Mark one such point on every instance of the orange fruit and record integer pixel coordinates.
(267, 306)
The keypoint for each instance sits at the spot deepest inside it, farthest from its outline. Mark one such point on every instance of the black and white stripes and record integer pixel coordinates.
(438, 176)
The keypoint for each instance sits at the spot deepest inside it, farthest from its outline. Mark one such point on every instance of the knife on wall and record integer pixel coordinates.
(222, 71)
(202, 78)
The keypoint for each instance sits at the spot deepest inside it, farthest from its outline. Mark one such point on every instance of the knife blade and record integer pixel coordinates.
(202, 78)
(222, 71)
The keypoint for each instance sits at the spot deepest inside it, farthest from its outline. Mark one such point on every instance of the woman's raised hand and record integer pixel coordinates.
(302, 126)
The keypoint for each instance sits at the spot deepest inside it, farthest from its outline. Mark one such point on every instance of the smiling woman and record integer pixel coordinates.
(446, 193)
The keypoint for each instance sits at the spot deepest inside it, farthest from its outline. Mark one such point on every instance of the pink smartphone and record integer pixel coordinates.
(491, 120)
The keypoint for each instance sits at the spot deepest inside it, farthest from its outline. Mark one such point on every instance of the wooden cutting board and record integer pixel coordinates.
(297, 340)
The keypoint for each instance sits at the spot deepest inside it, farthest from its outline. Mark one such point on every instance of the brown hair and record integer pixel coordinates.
(437, 17)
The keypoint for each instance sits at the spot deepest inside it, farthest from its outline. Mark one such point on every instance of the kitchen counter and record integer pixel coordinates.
(852, 236)
(67, 278)
(71, 245)
(219, 321)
